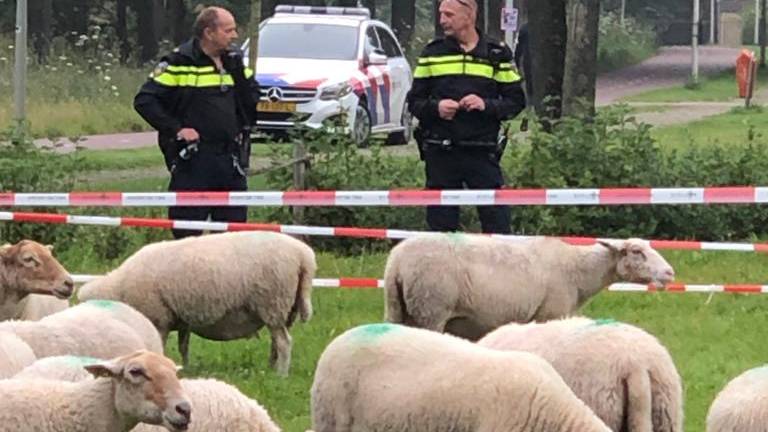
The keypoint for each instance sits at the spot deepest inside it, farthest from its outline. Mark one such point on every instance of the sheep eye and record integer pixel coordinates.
(29, 259)
(138, 373)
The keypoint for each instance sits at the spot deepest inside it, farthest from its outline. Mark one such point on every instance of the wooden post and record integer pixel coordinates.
(299, 177)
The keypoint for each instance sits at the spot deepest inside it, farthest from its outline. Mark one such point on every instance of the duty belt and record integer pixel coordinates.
(445, 143)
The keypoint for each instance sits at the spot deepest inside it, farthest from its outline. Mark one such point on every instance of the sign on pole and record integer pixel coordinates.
(509, 19)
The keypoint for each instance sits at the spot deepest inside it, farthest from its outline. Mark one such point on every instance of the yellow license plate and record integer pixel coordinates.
(276, 106)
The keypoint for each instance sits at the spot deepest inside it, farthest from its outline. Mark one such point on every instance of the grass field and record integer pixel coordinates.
(719, 88)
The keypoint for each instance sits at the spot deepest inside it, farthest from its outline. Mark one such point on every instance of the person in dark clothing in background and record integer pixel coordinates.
(523, 61)
(464, 86)
(202, 100)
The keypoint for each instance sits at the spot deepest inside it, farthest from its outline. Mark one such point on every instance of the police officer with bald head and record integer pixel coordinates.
(464, 87)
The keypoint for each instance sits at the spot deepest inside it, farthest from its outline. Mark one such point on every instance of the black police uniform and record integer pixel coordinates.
(187, 90)
(464, 151)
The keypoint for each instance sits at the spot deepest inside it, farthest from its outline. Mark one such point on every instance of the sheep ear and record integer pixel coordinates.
(5, 251)
(49, 247)
(613, 246)
(107, 369)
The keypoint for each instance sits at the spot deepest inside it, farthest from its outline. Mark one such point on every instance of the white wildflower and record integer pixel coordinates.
(63, 58)
(117, 94)
(107, 78)
(69, 64)
(3, 59)
(10, 46)
(114, 88)
(110, 55)
(54, 68)
(97, 67)
(94, 37)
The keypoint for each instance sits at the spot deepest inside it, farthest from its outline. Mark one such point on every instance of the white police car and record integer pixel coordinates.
(318, 62)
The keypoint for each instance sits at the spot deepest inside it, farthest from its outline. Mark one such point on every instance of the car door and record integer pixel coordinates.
(378, 78)
(399, 76)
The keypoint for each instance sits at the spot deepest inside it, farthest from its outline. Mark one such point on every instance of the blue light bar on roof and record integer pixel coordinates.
(323, 10)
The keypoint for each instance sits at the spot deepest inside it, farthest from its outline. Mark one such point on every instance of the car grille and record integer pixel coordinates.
(292, 94)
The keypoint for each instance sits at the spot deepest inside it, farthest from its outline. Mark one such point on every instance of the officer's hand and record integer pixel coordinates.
(188, 135)
(472, 102)
(447, 108)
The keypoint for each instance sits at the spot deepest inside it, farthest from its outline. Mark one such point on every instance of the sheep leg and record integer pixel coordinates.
(639, 406)
(435, 321)
(184, 345)
(280, 359)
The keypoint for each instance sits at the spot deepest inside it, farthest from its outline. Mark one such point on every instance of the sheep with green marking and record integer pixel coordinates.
(388, 377)
(624, 374)
(468, 285)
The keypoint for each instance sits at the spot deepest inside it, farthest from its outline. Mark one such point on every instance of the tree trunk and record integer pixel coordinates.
(177, 14)
(436, 9)
(548, 33)
(41, 27)
(160, 16)
(371, 5)
(253, 32)
(494, 19)
(481, 15)
(146, 28)
(403, 23)
(268, 8)
(121, 29)
(581, 58)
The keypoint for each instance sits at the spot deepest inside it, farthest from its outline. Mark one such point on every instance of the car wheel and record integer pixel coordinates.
(403, 136)
(361, 131)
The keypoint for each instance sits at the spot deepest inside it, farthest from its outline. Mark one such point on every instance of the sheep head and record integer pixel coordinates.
(28, 267)
(147, 389)
(638, 262)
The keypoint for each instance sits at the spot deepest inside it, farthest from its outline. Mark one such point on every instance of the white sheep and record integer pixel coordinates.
(742, 405)
(218, 406)
(469, 285)
(139, 387)
(88, 329)
(15, 354)
(33, 283)
(623, 373)
(219, 286)
(388, 377)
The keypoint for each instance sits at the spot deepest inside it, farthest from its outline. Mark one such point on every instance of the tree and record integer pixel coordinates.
(404, 23)
(41, 26)
(177, 17)
(581, 58)
(121, 30)
(547, 29)
(371, 5)
(494, 19)
(147, 34)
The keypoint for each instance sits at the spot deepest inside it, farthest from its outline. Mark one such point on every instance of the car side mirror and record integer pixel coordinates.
(376, 58)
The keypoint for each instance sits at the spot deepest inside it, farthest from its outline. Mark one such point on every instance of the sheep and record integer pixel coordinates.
(87, 329)
(468, 285)
(33, 283)
(218, 406)
(219, 286)
(389, 377)
(139, 387)
(741, 406)
(15, 354)
(621, 372)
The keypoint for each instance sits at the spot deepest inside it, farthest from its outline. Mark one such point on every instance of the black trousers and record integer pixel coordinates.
(207, 171)
(460, 168)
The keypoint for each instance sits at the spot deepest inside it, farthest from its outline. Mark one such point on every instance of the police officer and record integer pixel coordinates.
(202, 100)
(464, 86)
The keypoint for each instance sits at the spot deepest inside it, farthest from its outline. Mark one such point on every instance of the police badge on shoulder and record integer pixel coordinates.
(159, 69)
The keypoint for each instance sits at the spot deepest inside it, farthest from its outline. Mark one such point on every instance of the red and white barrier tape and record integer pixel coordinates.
(619, 287)
(352, 232)
(397, 198)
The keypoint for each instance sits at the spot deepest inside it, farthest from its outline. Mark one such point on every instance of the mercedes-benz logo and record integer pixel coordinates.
(274, 94)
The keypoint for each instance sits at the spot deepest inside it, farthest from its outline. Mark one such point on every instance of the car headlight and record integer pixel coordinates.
(336, 91)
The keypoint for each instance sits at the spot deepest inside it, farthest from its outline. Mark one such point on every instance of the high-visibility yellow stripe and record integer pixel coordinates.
(248, 72)
(506, 76)
(194, 80)
(193, 69)
(441, 59)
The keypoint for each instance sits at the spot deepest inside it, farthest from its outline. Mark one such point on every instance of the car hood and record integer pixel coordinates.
(303, 73)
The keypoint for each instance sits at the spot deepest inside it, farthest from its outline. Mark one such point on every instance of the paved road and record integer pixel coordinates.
(670, 67)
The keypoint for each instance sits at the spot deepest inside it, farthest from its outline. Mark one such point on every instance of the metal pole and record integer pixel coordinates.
(695, 42)
(757, 22)
(20, 74)
(623, 11)
(712, 21)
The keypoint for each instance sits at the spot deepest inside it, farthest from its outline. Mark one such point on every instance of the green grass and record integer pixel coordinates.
(728, 129)
(711, 340)
(719, 88)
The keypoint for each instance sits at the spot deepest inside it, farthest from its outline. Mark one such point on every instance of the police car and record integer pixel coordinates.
(315, 63)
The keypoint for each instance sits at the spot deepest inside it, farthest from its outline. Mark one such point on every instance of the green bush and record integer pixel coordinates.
(623, 45)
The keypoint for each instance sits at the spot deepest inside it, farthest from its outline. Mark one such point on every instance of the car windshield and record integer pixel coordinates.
(315, 41)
